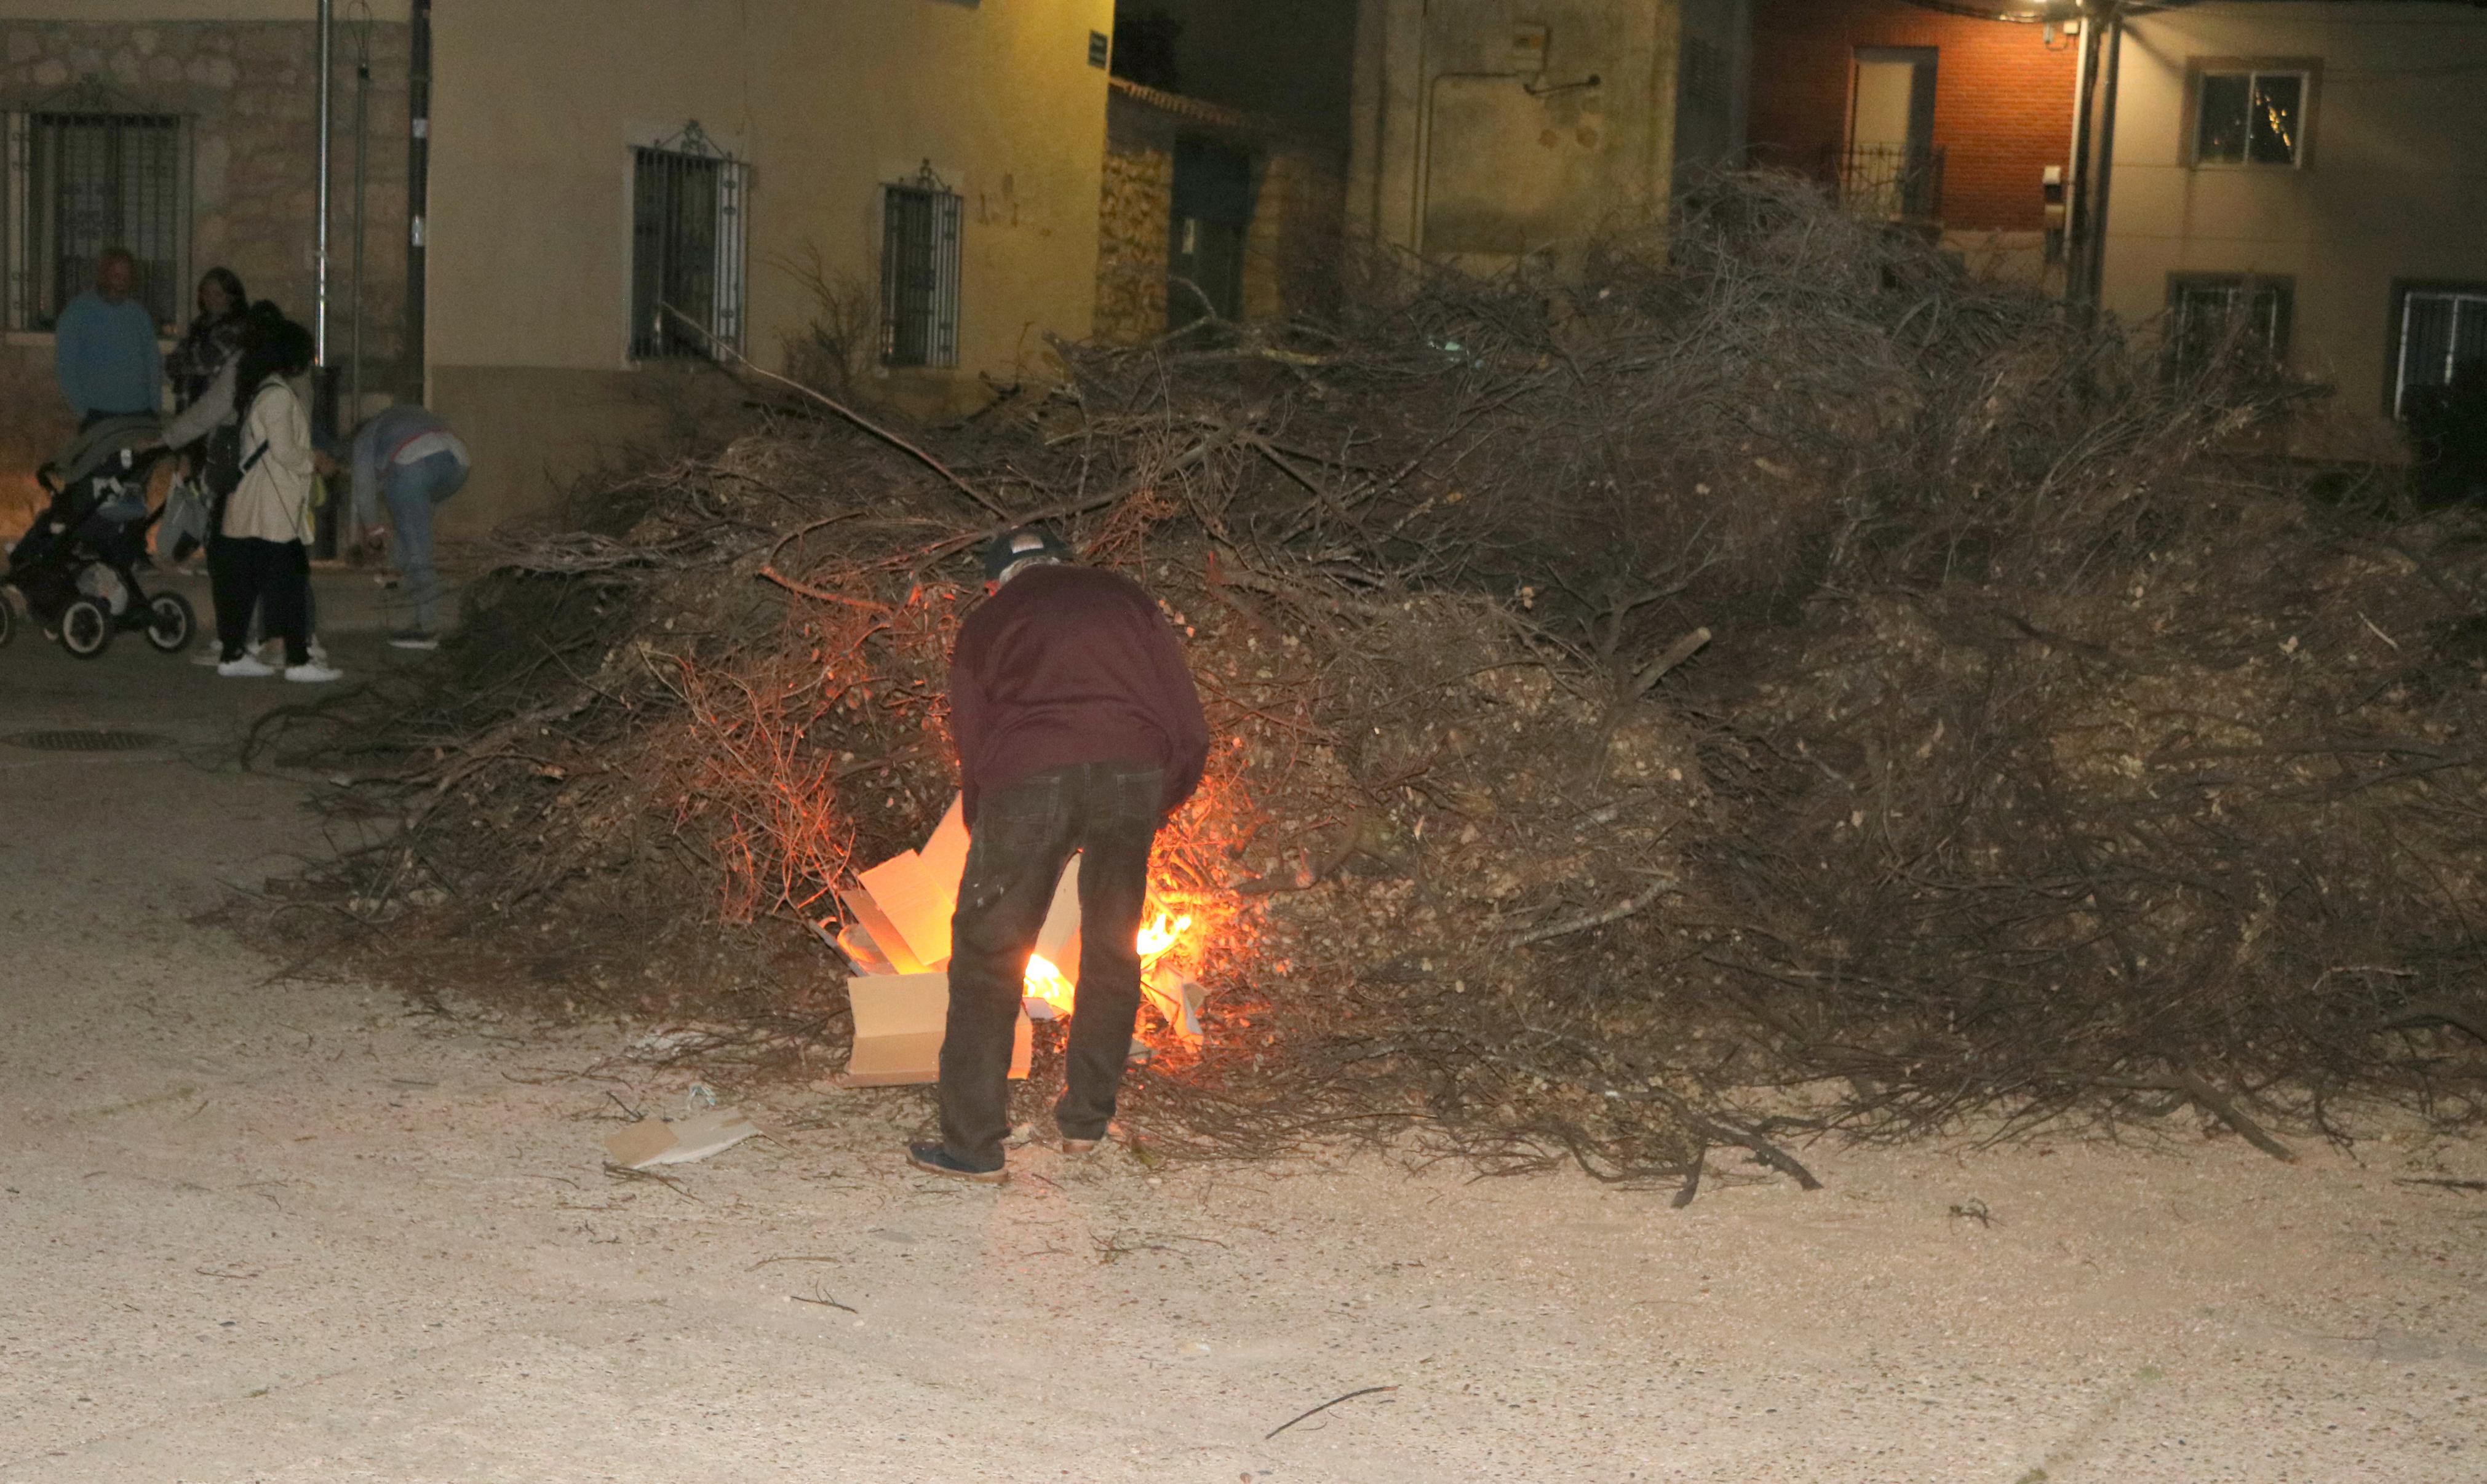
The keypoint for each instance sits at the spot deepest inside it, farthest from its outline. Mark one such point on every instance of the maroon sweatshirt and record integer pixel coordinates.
(1068, 665)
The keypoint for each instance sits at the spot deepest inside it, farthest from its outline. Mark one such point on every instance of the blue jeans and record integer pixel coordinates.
(410, 491)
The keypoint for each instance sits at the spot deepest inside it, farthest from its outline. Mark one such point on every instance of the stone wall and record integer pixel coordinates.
(1291, 252)
(1291, 246)
(1135, 222)
(250, 92)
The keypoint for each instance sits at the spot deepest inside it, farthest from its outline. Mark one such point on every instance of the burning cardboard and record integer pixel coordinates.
(898, 941)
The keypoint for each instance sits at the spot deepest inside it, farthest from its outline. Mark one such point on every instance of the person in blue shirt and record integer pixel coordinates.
(104, 346)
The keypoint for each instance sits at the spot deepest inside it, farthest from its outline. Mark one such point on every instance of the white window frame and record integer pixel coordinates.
(2467, 301)
(2310, 78)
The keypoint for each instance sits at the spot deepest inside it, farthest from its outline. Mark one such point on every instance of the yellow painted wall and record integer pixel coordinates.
(2394, 185)
(536, 106)
(124, 11)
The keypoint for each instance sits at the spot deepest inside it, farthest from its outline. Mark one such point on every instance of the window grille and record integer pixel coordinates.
(687, 236)
(919, 273)
(2440, 329)
(1705, 73)
(1897, 182)
(85, 176)
(2244, 319)
(2249, 117)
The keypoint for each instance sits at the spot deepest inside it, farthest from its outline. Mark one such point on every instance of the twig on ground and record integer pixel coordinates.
(1314, 1411)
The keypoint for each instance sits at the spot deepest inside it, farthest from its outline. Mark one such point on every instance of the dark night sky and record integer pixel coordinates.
(1290, 57)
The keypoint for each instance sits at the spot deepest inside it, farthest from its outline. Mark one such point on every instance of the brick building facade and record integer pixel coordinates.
(2002, 107)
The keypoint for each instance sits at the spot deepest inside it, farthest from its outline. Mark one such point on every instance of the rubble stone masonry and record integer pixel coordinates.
(249, 90)
(1290, 248)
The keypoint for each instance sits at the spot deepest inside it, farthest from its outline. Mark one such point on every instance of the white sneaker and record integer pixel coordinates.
(247, 667)
(311, 674)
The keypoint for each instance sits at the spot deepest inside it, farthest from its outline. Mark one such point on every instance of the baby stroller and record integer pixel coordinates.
(77, 568)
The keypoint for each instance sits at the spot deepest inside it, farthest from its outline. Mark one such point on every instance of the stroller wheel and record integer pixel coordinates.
(170, 623)
(86, 629)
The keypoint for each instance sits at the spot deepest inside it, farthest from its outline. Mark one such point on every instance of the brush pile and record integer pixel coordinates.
(1761, 682)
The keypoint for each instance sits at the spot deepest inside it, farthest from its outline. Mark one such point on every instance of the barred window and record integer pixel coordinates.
(1706, 71)
(2229, 319)
(84, 180)
(919, 272)
(687, 248)
(2440, 329)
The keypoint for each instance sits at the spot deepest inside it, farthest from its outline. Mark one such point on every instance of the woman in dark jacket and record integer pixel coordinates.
(213, 339)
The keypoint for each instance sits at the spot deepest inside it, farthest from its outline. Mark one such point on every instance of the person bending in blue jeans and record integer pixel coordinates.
(1078, 729)
(407, 459)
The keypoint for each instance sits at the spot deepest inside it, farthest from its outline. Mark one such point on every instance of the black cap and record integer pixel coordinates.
(1014, 547)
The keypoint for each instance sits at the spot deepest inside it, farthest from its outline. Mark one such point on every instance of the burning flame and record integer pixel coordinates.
(1045, 981)
(1160, 936)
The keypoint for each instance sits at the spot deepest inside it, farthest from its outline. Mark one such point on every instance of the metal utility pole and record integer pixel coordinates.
(320, 279)
(418, 200)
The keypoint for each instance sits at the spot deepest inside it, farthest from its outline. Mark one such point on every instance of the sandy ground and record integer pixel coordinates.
(254, 1228)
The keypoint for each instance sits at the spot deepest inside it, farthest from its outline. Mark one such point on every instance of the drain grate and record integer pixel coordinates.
(88, 740)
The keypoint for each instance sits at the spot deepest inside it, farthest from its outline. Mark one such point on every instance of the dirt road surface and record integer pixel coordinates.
(261, 1228)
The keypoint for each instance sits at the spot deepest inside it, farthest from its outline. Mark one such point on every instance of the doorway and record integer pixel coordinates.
(1213, 213)
(1891, 167)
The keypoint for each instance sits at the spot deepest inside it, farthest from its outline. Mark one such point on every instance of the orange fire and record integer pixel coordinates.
(1045, 981)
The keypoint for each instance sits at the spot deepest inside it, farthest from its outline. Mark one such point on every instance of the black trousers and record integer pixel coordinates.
(245, 572)
(1022, 837)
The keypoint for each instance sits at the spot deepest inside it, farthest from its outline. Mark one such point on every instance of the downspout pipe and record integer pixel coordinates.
(2077, 225)
(2104, 167)
(418, 194)
(320, 256)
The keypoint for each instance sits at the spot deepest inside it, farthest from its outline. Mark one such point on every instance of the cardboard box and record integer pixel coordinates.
(899, 1022)
(912, 895)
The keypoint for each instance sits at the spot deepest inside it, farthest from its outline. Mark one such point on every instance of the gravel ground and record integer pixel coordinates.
(264, 1228)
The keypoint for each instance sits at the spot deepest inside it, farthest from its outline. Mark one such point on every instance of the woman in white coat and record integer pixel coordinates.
(258, 557)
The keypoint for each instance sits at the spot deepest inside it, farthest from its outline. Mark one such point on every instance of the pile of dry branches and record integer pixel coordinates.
(1764, 681)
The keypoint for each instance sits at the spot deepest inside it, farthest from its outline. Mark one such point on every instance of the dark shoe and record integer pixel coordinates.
(1072, 1145)
(937, 1160)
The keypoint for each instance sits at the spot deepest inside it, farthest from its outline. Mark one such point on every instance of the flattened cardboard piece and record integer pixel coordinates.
(915, 893)
(862, 953)
(899, 1022)
(650, 1142)
(884, 934)
(1179, 998)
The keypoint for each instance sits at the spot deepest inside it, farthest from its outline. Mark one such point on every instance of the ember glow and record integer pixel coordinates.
(1045, 981)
